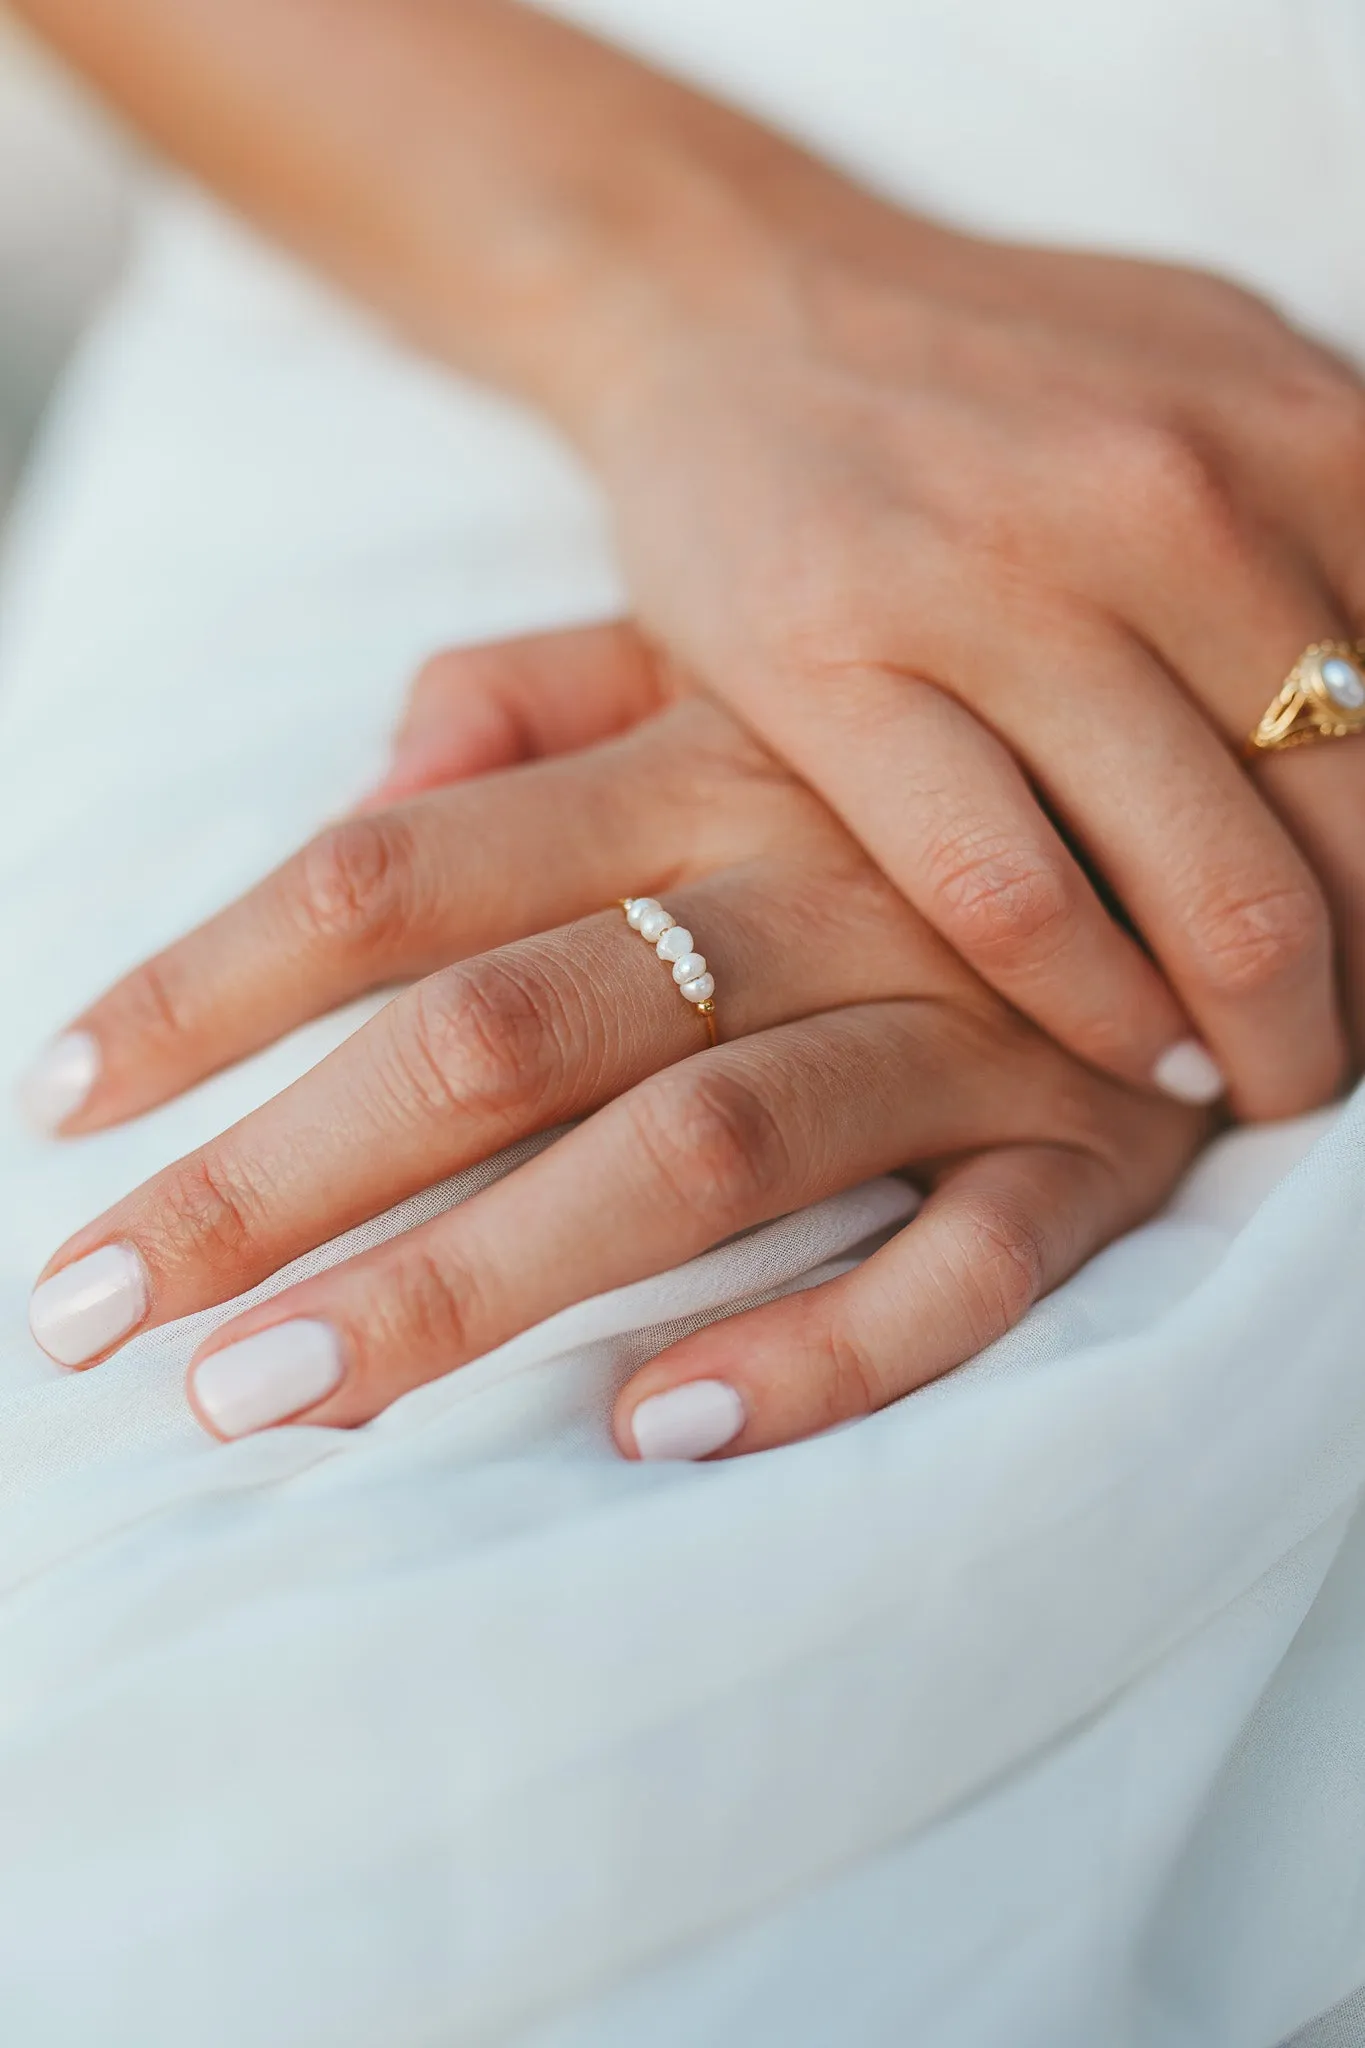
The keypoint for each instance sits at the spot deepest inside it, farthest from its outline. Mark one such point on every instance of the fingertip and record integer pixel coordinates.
(683, 1423)
(85, 1308)
(1188, 1072)
(59, 1082)
(266, 1378)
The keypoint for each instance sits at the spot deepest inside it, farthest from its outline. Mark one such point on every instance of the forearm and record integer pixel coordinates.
(524, 201)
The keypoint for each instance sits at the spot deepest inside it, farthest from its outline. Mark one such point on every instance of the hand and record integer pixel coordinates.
(1005, 552)
(853, 1042)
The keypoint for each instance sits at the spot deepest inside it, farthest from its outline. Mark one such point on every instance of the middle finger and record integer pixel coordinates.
(721, 1143)
(516, 1041)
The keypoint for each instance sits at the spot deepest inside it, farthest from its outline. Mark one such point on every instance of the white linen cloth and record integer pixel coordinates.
(1027, 1714)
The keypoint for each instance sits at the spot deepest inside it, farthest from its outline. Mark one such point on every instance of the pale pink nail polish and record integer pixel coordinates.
(689, 1421)
(1189, 1073)
(59, 1080)
(268, 1377)
(90, 1304)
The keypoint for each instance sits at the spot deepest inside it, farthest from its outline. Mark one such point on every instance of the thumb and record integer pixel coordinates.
(475, 709)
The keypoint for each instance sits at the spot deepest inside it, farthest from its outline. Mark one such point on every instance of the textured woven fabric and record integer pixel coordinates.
(1024, 1715)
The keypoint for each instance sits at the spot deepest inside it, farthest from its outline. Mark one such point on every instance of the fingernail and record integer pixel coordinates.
(90, 1304)
(266, 1378)
(1189, 1072)
(59, 1080)
(689, 1421)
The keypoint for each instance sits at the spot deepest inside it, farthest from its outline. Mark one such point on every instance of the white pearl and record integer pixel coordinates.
(640, 908)
(689, 967)
(676, 941)
(699, 990)
(654, 924)
(1343, 683)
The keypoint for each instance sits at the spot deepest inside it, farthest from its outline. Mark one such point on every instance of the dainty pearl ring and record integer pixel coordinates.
(673, 944)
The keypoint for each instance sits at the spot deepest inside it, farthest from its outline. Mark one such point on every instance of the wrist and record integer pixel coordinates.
(691, 227)
(603, 267)
(687, 253)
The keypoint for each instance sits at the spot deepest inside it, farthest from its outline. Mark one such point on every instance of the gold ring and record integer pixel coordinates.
(673, 944)
(1323, 698)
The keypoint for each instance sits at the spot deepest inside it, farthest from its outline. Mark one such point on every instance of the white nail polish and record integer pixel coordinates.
(266, 1378)
(689, 1421)
(59, 1080)
(90, 1304)
(1189, 1072)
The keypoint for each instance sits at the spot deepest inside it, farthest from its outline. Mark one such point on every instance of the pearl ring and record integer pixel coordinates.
(673, 944)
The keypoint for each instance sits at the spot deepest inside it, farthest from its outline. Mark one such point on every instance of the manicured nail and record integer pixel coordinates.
(1189, 1072)
(90, 1304)
(266, 1378)
(689, 1421)
(59, 1080)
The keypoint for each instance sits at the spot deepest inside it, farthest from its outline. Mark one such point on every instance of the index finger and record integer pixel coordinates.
(371, 900)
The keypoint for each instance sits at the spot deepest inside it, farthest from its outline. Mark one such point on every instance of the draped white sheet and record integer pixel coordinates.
(1025, 1715)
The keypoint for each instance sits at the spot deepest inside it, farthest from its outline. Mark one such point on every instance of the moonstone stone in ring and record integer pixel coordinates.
(1342, 681)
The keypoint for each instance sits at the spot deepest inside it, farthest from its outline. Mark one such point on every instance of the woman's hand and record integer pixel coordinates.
(1005, 552)
(1003, 549)
(853, 1042)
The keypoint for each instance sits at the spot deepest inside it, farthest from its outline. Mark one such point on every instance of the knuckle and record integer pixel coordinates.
(479, 1037)
(856, 1382)
(1323, 407)
(997, 899)
(441, 673)
(1001, 1264)
(1252, 944)
(459, 674)
(1344, 434)
(432, 1316)
(714, 1143)
(151, 1008)
(204, 1213)
(1169, 476)
(1155, 456)
(349, 885)
(713, 788)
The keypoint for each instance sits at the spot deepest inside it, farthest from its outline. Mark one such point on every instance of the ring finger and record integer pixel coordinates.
(1209, 875)
(511, 1042)
(1231, 604)
(712, 1146)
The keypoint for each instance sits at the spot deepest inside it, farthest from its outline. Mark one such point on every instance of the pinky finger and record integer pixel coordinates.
(998, 1233)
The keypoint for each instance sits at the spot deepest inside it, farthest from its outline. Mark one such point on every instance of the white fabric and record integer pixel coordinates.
(1025, 1715)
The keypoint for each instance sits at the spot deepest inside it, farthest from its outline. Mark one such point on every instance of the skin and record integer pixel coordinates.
(1003, 550)
(854, 1041)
